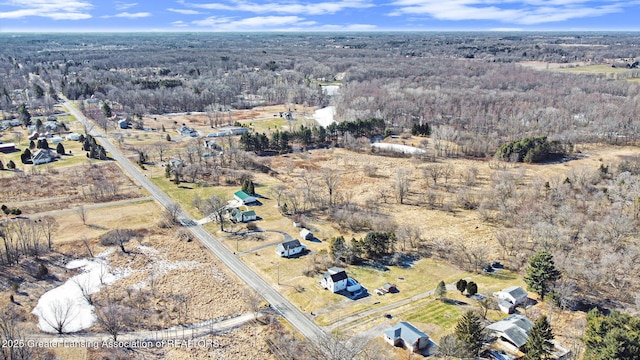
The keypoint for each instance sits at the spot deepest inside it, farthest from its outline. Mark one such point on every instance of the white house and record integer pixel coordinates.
(513, 329)
(42, 156)
(306, 234)
(408, 336)
(72, 136)
(290, 248)
(335, 279)
(244, 198)
(511, 297)
(243, 216)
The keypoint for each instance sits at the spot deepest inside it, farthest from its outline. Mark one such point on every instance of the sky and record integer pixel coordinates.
(323, 15)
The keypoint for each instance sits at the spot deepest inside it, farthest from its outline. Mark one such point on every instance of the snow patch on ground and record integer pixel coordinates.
(324, 116)
(66, 307)
(331, 89)
(399, 148)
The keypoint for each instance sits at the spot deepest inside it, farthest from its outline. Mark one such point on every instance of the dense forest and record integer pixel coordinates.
(470, 87)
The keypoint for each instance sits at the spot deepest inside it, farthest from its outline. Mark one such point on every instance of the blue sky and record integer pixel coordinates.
(300, 15)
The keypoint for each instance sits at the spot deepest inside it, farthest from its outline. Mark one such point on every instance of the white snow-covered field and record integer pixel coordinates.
(65, 306)
(331, 89)
(324, 116)
(399, 148)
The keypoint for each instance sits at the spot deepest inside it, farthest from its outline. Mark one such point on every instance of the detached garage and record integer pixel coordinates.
(244, 198)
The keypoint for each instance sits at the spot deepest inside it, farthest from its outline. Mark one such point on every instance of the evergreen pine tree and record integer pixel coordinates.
(469, 331)
(461, 285)
(60, 149)
(541, 273)
(441, 290)
(538, 345)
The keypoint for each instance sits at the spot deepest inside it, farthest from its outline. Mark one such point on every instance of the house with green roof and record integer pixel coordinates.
(238, 215)
(244, 198)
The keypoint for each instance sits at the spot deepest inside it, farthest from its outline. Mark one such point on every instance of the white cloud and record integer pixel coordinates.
(184, 11)
(179, 23)
(289, 7)
(132, 15)
(53, 9)
(525, 12)
(258, 23)
(124, 6)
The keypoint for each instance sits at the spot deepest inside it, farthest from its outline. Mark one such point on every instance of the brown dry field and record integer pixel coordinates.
(435, 223)
(189, 284)
(541, 65)
(47, 189)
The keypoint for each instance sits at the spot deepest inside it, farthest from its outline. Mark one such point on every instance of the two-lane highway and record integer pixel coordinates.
(289, 311)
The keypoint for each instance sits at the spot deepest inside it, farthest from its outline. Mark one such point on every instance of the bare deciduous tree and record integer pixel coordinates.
(85, 241)
(114, 319)
(84, 284)
(82, 214)
(402, 180)
(60, 314)
(215, 206)
(433, 172)
(10, 334)
(49, 226)
(331, 179)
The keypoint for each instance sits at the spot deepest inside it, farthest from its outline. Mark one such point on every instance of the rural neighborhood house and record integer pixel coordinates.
(290, 248)
(404, 334)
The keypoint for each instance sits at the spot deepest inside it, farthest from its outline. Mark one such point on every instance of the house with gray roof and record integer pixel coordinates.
(510, 298)
(289, 248)
(406, 335)
(513, 329)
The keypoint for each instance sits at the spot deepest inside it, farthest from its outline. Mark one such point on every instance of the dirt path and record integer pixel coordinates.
(189, 332)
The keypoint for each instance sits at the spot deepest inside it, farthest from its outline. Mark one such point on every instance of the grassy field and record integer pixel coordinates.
(101, 220)
(435, 312)
(593, 69)
(184, 193)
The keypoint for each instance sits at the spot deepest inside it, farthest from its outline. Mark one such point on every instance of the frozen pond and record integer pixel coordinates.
(399, 148)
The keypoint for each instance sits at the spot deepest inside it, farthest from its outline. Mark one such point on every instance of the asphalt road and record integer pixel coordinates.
(297, 319)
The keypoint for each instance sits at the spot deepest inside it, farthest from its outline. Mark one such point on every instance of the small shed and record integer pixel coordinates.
(390, 288)
(306, 234)
(73, 136)
(7, 148)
